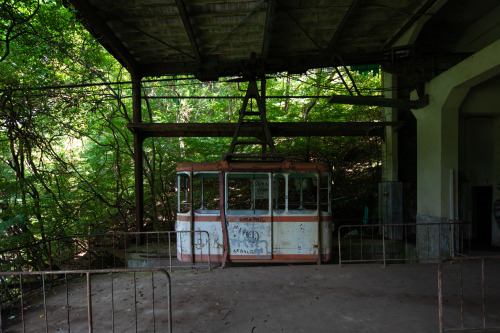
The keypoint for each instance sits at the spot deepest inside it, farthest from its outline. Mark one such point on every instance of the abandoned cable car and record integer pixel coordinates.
(255, 207)
(273, 212)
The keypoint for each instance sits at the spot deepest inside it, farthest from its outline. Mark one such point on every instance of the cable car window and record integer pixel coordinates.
(249, 192)
(183, 193)
(324, 192)
(206, 192)
(302, 192)
(279, 193)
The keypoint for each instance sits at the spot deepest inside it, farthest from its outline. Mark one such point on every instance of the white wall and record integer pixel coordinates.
(438, 129)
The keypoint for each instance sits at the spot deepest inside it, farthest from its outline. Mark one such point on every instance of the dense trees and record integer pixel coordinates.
(66, 161)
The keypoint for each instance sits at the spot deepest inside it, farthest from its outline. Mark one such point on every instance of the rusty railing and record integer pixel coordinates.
(468, 294)
(108, 250)
(402, 243)
(116, 300)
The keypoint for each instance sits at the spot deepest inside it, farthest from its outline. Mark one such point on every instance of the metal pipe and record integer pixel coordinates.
(483, 291)
(138, 150)
(222, 207)
(153, 299)
(191, 209)
(340, 251)
(440, 296)
(318, 208)
(452, 212)
(112, 302)
(461, 295)
(22, 302)
(67, 302)
(135, 301)
(89, 303)
(383, 243)
(45, 305)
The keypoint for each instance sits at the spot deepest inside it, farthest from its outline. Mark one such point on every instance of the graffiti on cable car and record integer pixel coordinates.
(249, 239)
(200, 243)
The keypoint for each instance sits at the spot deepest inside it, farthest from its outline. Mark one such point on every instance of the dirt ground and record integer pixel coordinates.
(272, 298)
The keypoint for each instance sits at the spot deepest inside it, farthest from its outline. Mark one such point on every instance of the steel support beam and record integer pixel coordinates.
(138, 151)
(417, 16)
(319, 129)
(113, 44)
(188, 27)
(379, 101)
(340, 28)
(271, 8)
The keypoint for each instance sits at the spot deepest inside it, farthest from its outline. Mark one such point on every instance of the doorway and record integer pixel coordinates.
(482, 198)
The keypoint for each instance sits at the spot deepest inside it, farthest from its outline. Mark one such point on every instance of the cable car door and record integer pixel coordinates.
(248, 216)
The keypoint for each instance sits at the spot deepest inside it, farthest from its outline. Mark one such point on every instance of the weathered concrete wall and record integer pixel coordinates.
(480, 112)
(438, 134)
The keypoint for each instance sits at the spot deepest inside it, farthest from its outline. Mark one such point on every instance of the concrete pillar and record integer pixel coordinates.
(390, 145)
(437, 143)
(390, 191)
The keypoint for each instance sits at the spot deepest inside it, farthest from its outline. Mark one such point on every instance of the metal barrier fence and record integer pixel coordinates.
(116, 300)
(468, 294)
(102, 251)
(109, 250)
(396, 243)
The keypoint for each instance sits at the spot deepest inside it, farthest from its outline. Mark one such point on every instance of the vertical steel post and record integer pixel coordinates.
(112, 303)
(318, 207)
(440, 296)
(135, 301)
(89, 303)
(191, 220)
(340, 250)
(263, 111)
(45, 304)
(483, 291)
(22, 304)
(452, 213)
(67, 301)
(383, 244)
(138, 150)
(462, 321)
(222, 207)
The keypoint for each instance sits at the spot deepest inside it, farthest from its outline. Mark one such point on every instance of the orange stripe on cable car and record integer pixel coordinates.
(255, 219)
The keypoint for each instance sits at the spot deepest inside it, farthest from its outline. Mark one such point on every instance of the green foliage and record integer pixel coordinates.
(66, 155)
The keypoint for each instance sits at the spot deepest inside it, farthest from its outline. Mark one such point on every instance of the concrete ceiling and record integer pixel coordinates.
(216, 38)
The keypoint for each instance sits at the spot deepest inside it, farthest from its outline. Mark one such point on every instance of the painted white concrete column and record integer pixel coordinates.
(390, 191)
(437, 128)
(438, 144)
(390, 145)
